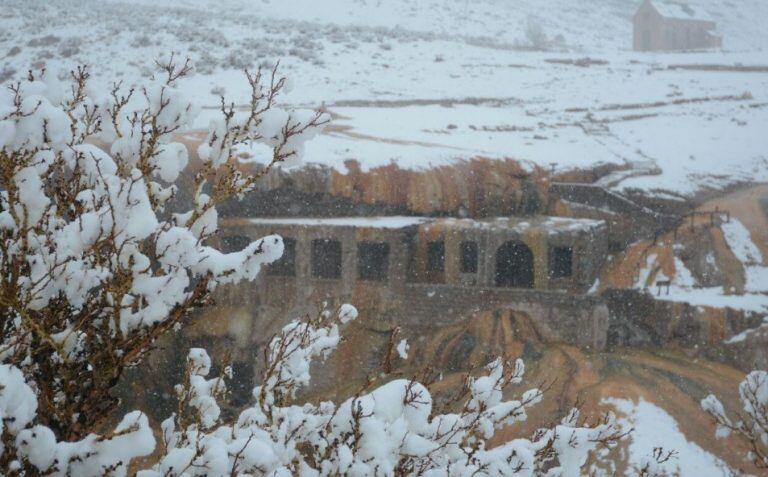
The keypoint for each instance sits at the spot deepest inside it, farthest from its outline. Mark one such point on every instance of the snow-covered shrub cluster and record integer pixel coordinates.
(536, 38)
(390, 430)
(34, 449)
(94, 269)
(751, 425)
(535, 35)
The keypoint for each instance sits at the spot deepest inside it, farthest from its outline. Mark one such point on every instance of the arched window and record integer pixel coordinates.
(514, 265)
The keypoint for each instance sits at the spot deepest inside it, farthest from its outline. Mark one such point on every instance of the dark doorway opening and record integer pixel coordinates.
(242, 385)
(514, 266)
(326, 258)
(434, 269)
(646, 40)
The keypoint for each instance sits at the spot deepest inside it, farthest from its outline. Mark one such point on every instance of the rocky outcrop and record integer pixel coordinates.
(629, 220)
(637, 319)
(474, 188)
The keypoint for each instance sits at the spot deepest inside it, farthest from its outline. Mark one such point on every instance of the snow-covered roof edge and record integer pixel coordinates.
(518, 224)
(679, 11)
(384, 222)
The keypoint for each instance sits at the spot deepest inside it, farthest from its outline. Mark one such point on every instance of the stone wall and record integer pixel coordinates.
(408, 260)
(628, 221)
(559, 307)
(557, 317)
(637, 319)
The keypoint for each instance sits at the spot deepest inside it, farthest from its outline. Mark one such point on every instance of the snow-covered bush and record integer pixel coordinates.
(535, 35)
(93, 268)
(752, 425)
(393, 429)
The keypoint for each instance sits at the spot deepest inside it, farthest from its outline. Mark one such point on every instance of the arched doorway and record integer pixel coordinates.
(514, 266)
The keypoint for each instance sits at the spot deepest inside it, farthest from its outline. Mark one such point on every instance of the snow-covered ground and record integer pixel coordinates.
(427, 83)
(741, 244)
(684, 288)
(654, 427)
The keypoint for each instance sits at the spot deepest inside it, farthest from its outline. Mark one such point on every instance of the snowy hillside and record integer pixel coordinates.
(428, 83)
(590, 25)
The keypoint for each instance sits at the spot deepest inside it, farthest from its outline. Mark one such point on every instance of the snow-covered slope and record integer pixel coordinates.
(591, 25)
(423, 83)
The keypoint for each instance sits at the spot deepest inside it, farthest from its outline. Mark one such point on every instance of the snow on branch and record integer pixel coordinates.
(93, 268)
(751, 425)
(392, 429)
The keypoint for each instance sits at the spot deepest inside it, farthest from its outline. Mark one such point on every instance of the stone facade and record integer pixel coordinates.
(423, 273)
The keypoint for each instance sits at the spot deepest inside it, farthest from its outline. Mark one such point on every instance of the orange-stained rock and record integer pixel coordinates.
(478, 187)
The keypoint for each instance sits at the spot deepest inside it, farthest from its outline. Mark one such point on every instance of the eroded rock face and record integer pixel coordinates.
(637, 319)
(474, 188)
(748, 350)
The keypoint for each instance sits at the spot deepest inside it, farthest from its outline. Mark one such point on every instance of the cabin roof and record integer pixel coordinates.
(679, 11)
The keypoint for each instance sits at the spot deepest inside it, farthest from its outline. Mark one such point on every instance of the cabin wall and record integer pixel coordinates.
(652, 32)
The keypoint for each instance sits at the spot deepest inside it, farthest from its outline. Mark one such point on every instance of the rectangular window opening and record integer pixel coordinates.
(234, 243)
(435, 257)
(561, 262)
(468, 254)
(326, 258)
(373, 261)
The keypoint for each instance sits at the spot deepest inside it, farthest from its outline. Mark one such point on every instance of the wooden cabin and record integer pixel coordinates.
(672, 26)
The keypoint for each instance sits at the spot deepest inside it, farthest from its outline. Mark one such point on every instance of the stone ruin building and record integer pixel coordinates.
(424, 249)
(424, 272)
(440, 249)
